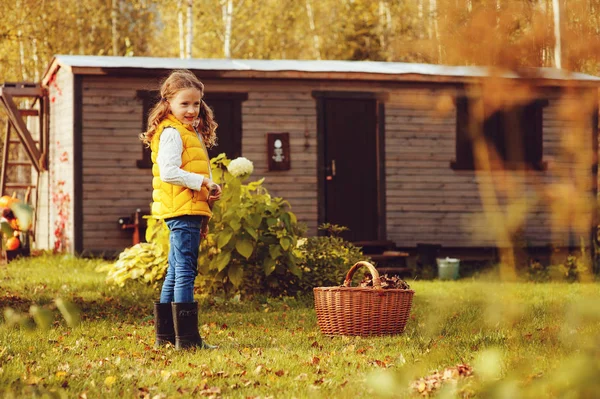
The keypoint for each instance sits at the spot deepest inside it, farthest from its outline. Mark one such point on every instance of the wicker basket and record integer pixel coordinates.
(362, 311)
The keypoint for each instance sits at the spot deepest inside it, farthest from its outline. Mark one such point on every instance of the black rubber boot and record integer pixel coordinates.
(185, 319)
(163, 324)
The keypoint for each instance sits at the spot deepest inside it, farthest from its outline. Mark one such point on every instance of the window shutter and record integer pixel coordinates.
(227, 109)
(149, 99)
(532, 128)
(494, 128)
(464, 144)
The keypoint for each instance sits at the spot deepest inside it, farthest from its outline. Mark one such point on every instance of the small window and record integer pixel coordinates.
(515, 134)
(227, 109)
(149, 99)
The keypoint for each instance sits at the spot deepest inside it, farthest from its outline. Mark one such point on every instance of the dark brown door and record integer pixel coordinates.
(350, 166)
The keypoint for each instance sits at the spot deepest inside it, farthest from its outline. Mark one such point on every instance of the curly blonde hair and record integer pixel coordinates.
(178, 80)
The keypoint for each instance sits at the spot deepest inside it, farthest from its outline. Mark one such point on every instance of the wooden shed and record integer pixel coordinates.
(382, 148)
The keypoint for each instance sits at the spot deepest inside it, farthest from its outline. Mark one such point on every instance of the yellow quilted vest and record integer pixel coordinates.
(170, 200)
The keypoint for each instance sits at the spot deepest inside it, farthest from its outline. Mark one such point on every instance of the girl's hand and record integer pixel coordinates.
(214, 191)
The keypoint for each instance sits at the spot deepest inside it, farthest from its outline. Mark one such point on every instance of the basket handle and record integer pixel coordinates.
(374, 273)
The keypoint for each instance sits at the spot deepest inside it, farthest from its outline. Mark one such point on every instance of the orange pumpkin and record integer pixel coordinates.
(12, 243)
(6, 201)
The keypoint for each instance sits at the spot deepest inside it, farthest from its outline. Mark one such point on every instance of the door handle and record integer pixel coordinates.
(331, 170)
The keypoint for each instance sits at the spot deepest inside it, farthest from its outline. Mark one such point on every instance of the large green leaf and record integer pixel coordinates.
(222, 260)
(244, 247)
(251, 231)
(236, 274)
(219, 158)
(24, 214)
(224, 237)
(254, 219)
(6, 228)
(295, 270)
(293, 218)
(230, 212)
(285, 218)
(269, 265)
(274, 251)
(255, 184)
(285, 242)
(235, 225)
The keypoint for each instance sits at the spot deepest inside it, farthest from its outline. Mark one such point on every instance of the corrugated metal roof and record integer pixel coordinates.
(325, 66)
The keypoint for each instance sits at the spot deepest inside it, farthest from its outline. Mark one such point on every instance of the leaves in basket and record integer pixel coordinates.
(386, 282)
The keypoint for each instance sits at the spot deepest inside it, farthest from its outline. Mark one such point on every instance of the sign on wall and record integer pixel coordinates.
(278, 151)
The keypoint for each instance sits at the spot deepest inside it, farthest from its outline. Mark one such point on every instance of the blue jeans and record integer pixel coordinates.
(184, 241)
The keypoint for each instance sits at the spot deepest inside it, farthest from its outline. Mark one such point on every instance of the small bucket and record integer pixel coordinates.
(448, 268)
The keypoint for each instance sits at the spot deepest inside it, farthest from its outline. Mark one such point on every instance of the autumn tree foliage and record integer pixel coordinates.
(457, 32)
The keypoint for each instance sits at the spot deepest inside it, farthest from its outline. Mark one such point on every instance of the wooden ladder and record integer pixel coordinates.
(29, 152)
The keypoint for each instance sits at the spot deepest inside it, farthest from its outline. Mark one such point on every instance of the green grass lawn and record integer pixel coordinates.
(522, 340)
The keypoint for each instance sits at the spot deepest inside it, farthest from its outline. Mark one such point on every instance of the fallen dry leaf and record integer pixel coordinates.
(428, 385)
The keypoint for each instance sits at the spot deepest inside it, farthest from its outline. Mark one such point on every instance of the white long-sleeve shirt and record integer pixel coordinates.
(170, 148)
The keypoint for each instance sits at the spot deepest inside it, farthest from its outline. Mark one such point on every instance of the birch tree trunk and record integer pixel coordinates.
(433, 18)
(227, 10)
(24, 74)
(420, 15)
(385, 23)
(313, 29)
(79, 23)
(190, 29)
(36, 60)
(181, 29)
(557, 38)
(114, 30)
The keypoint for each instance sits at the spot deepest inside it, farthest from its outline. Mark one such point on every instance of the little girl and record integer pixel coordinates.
(180, 128)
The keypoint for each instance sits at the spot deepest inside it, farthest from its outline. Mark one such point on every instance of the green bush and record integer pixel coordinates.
(252, 240)
(575, 267)
(326, 262)
(146, 262)
(571, 270)
(537, 272)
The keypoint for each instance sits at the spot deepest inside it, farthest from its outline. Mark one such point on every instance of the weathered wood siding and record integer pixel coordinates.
(58, 180)
(429, 202)
(112, 185)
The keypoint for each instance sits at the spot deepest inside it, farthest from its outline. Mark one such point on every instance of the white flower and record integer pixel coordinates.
(240, 167)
